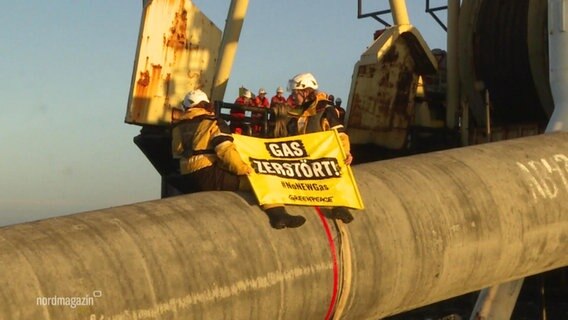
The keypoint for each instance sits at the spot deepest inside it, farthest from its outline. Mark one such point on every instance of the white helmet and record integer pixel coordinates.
(193, 98)
(261, 91)
(247, 94)
(302, 81)
(279, 90)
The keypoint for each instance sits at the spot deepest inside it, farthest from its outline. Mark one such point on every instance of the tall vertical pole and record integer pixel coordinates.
(228, 49)
(558, 63)
(453, 92)
(399, 12)
(497, 302)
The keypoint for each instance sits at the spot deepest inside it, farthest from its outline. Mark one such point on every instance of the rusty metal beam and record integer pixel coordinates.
(435, 226)
(177, 51)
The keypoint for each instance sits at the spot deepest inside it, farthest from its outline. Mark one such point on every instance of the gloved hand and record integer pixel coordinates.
(348, 159)
(248, 170)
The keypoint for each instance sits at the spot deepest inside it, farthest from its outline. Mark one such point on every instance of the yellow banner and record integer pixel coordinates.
(306, 170)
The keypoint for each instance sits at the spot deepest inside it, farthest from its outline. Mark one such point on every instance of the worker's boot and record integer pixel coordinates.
(280, 219)
(341, 213)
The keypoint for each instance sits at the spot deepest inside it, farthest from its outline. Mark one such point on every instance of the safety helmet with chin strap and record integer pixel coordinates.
(302, 81)
(193, 98)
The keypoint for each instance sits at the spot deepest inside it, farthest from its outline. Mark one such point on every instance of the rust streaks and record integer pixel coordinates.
(177, 37)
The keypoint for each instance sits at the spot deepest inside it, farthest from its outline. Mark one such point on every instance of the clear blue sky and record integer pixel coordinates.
(65, 73)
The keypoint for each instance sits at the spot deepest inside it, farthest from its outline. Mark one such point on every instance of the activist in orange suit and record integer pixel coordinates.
(315, 113)
(209, 160)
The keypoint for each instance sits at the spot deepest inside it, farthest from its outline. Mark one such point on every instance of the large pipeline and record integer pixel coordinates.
(435, 226)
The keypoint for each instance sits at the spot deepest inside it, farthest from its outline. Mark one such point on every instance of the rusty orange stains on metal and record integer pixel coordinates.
(143, 80)
(140, 91)
(178, 48)
(388, 108)
(355, 117)
(177, 39)
(155, 79)
(168, 85)
(192, 46)
(146, 87)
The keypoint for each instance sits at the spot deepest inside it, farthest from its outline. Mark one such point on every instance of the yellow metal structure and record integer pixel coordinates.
(171, 59)
(229, 45)
(384, 85)
(399, 12)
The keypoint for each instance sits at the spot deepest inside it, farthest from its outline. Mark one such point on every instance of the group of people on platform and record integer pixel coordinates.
(246, 99)
(260, 100)
(276, 103)
(208, 159)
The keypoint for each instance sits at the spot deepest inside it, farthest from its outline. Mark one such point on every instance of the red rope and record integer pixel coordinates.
(335, 263)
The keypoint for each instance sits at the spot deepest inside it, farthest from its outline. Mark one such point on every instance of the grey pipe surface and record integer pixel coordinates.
(435, 226)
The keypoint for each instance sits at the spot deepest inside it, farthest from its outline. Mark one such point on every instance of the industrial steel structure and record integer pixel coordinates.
(436, 225)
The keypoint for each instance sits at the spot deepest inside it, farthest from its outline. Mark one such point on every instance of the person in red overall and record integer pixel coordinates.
(261, 101)
(279, 97)
(244, 100)
(291, 102)
(239, 115)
